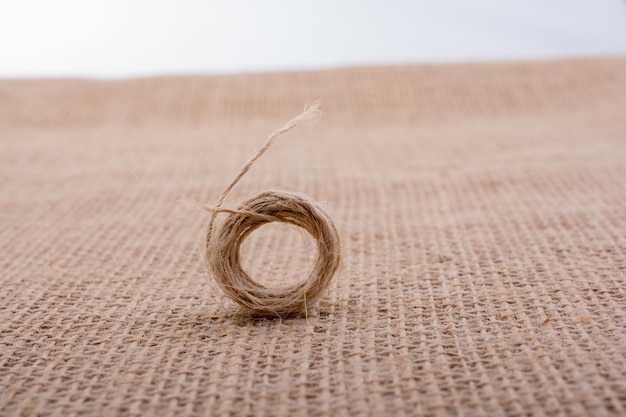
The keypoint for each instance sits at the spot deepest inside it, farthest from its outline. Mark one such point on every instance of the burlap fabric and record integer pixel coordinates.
(482, 212)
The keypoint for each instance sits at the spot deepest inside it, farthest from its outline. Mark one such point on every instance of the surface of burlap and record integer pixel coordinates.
(482, 213)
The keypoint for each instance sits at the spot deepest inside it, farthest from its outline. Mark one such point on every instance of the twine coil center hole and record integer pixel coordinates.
(287, 257)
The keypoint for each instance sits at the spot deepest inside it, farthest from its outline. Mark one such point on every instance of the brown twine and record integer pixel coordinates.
(223, 246)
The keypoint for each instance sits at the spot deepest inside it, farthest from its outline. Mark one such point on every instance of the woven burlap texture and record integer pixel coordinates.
(481, 210)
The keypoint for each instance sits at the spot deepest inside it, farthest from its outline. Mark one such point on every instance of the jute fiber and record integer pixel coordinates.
(223, 247)
(480, 208)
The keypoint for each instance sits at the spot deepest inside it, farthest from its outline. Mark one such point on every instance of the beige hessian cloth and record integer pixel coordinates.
(482, 211)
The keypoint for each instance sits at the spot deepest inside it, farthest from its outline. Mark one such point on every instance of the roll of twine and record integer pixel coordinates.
(223, 244)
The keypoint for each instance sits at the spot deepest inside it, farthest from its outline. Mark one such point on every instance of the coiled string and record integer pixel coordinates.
(223, 245)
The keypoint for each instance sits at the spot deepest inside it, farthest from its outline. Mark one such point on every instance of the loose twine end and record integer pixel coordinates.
(223, 245)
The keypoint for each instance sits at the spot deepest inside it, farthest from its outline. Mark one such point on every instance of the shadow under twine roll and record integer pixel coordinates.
(223, 244)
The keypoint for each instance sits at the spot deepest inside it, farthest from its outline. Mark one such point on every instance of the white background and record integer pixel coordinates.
(127, 38)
